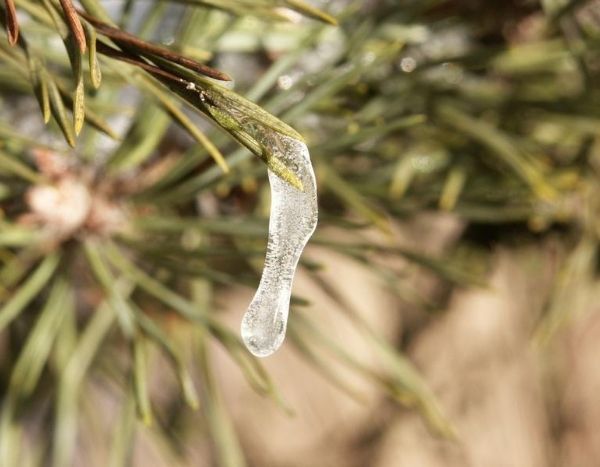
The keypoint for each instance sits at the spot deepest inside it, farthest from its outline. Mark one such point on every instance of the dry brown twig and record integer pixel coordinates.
(12, 25)
(74, 24)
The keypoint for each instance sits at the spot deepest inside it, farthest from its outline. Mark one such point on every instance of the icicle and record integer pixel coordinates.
(292, 222)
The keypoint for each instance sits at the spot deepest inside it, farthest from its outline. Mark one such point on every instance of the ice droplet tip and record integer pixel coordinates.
(260, 349)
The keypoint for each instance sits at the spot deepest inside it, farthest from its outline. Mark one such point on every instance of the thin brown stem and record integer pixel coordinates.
(109, 51)
(74, 24)
(12, 25)
(148, 49)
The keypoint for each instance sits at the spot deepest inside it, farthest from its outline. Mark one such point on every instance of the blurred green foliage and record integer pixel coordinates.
(115, 235)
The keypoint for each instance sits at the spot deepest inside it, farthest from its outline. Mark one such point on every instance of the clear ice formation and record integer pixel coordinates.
(292, 221)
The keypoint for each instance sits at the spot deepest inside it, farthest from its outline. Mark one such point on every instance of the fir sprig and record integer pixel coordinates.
(105, 251)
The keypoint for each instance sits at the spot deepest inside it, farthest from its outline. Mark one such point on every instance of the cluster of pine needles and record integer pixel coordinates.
(122, 216)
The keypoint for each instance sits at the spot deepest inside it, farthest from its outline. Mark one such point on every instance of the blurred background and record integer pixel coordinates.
(445, 311)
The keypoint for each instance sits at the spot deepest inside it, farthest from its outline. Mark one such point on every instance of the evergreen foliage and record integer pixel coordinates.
(121, 217)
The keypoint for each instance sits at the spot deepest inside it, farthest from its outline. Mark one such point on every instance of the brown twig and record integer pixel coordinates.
(74, 24)
(12, 25)
(109, 51)
(147, 49)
